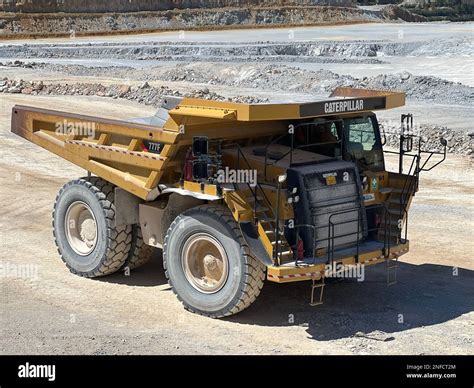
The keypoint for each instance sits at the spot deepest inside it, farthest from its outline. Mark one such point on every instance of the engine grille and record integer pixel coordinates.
(328, 191)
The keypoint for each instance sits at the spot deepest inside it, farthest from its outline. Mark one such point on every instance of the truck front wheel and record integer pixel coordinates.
(208, 264)
(84, 228)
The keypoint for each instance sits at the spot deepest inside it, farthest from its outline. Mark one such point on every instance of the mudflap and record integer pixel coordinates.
(255, 244)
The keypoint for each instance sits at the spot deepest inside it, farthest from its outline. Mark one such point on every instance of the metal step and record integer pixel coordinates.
(396, 202)
(266, 220)
(317, 284)
(386, 190)
(396, 190)
(392, 240)
(272, 231)
(281, 243)
(269, 187)
(251, 199)
(394, 222)
(395, 216)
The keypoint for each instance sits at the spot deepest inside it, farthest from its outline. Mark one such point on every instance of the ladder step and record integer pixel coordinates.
(280, 243)
(396, 190)
(269, 187)
(243, 187)
(395, 216)
(317, 285)
(251, 199)
(386, 190)
(272, 231)
(393, 237)
(396, 201)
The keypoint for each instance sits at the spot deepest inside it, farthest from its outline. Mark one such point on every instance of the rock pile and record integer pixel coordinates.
(143, 94)
(431, 135)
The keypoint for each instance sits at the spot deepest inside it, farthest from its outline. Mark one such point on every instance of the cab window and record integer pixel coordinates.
(321, 138)
(363, 143)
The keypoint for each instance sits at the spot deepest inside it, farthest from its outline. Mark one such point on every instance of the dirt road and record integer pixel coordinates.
(50, 311)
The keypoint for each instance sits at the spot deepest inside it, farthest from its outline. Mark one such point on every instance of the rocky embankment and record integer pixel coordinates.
(185, 19)
(273, 77)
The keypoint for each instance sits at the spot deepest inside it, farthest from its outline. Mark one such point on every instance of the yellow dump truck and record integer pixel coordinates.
(234, 194)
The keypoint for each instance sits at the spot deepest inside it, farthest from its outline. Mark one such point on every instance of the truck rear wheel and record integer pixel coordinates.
(84, 228)
(140, 253)
(208, 263)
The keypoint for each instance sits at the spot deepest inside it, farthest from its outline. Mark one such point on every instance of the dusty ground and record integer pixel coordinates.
(429, 311)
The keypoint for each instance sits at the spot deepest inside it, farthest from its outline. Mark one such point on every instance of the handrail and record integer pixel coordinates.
(387, 243)
(240, 153)
(291, 134)
(255, 195)
(331, 232)
(266, 151)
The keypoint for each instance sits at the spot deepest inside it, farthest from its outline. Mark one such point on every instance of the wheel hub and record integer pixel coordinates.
(210, 262)
(81, 228)
(88, 231)
(205, 263)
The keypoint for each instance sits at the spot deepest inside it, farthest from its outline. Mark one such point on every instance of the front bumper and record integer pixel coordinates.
(289, 272)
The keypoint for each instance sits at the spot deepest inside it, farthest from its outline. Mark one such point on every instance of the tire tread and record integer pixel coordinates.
(254, 275)
(119, 237)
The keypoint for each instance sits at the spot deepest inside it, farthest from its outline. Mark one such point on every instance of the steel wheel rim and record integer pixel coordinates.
(81, 228)
(205, 263)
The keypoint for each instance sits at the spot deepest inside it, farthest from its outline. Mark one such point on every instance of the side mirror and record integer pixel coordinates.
(443, 142)
(200, 146)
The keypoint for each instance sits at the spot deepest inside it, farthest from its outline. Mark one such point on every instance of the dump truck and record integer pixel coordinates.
(233, 194)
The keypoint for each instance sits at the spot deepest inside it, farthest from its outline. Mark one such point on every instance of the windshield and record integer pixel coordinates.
(321, 138)
(363, 143)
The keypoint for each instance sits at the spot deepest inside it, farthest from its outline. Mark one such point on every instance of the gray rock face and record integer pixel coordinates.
(272, 12)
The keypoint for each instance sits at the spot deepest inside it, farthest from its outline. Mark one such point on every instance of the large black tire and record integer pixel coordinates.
(246, 274)
(140, 253)
(112, 245)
